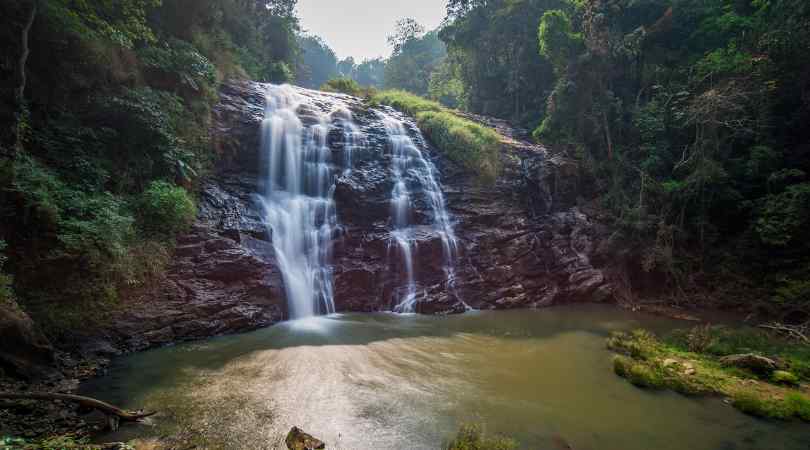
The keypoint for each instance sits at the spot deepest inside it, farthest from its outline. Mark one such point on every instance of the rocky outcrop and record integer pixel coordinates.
(522, 242)
(25, 352)
(298, 440)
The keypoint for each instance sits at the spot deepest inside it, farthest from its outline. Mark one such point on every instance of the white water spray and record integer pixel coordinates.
(298, 199)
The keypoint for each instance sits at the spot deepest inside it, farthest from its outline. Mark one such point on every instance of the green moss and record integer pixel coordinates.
(784, 377)
(621, 365)
(471, 437)
(756, 405)
(799, 406)
(638, 344)
(722, 341)
(643, 375)
(649, 362)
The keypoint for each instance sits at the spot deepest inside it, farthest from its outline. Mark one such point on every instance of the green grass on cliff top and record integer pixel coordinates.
(473, 146)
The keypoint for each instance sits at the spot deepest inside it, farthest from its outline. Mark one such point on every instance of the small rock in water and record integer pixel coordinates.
(298, 440)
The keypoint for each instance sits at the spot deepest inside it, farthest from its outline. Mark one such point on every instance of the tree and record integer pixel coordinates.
(406, 30)
(371, 72)
(346, 67)
(317, 62)
(410, 68)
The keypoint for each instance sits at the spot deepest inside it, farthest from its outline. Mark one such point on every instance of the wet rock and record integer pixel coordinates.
(521, 242)
(298, 440)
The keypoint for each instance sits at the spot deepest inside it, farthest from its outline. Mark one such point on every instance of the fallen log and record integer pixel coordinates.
(114, 414)
(756, 363)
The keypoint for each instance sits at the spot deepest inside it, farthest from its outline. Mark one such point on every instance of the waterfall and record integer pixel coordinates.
(299, 176)
(409, 165)
(299, 182)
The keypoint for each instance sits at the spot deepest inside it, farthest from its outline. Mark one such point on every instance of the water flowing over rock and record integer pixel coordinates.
(410, 167)
(321, 203)
(411, 230)
(299, 182)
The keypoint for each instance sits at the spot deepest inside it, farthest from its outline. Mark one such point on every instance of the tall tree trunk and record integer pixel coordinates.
(14, 92)
(24, 53)
(608, 137)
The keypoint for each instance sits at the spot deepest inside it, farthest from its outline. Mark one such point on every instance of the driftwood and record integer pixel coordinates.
(795, 332)
(114, 414)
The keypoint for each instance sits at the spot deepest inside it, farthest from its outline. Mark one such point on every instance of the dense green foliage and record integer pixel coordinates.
(317, 64)
(473, 146)
(416, 56)
(112, 134)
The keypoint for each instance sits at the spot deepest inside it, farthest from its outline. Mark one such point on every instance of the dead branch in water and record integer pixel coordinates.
(793, 331)
(113, 413)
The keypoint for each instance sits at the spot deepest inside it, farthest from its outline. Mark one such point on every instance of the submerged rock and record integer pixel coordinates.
(298, 440)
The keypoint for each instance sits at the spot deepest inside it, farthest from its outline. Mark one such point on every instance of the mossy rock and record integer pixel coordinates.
(784, 377)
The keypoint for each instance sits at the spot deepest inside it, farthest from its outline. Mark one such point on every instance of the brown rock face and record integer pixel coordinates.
(25, 352)
(521, 243)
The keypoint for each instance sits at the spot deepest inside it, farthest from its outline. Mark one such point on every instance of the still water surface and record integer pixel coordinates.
(384, 381)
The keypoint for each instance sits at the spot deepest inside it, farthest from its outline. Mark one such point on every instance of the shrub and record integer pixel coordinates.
(165, 210)
(344, 85)
(784, 215)
(182, 62)
(475, 147)
(471, 437)
(406, 102)
(784, 377)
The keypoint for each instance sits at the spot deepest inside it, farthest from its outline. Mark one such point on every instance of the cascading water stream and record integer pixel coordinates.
(409, 163)
(299, 182)
(298, 199)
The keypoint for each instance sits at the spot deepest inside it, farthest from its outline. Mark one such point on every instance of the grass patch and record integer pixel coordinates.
(649, 362)
(472, 437)
(348, 86)
(406, 102)
(473, 146)
(723, 341)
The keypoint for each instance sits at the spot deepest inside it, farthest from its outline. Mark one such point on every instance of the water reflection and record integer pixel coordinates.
(389, 382)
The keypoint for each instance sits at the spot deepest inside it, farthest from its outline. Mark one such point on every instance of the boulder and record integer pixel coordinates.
(298, 440)
(25, 352)
(752, 362)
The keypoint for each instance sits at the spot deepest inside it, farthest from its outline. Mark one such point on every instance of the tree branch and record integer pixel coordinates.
(113, 413)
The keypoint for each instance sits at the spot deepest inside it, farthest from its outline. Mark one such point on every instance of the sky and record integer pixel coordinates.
(359, 28)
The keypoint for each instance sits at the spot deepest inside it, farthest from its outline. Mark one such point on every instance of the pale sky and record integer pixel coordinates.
(359, 27)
